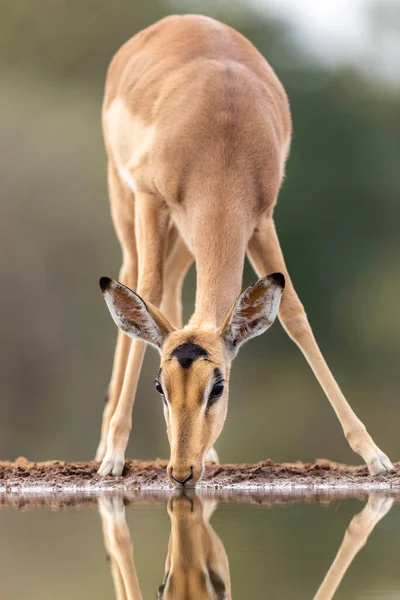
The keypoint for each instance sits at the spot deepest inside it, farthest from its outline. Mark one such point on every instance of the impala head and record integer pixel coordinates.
(195, 364)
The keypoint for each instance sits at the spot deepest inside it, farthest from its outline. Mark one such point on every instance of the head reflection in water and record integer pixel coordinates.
(197, 565)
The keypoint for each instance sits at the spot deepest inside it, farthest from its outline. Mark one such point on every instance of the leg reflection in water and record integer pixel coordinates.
(356, 536)
(119, 548)
(197, 566)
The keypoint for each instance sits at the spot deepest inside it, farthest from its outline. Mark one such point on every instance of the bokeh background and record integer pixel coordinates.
(338, 219)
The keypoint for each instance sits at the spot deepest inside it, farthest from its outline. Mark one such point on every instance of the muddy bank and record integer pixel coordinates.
(23, 476)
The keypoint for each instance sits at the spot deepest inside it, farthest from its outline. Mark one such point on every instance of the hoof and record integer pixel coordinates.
(380, 464)
(212, 456)
(112, 464)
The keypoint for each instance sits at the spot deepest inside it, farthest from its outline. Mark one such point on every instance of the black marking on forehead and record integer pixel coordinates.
(187, 353)
(218, 373)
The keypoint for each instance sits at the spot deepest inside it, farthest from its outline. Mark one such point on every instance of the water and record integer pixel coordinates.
(199, 546)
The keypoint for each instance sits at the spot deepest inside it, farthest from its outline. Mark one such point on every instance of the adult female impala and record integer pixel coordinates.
(197, 130)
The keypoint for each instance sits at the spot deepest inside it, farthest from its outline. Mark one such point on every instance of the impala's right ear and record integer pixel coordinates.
(137, 318)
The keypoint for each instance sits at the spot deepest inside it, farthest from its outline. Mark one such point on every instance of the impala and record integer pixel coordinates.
(197, 130)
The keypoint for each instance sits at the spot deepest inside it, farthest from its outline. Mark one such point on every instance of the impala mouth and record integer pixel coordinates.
(184, 481)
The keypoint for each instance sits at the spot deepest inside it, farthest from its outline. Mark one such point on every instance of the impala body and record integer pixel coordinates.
(197, 130)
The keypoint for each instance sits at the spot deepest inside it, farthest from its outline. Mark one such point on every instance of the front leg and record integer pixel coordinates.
(121, 421)
(266, 256)
(151, 235)
(123, 214)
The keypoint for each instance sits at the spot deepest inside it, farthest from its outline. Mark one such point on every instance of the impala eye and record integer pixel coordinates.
(217, 390)
(159, 387)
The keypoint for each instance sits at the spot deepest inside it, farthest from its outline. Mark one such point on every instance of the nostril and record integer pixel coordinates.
(182, 480)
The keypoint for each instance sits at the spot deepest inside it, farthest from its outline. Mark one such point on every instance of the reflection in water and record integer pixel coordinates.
(197, 565)
(119, 548)
(356, 536)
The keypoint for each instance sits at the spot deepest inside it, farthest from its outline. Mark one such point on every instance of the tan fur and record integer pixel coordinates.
(192, 429)
(197, 565)
(197, 129)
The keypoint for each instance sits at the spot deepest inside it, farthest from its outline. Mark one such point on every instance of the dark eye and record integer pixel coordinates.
(158, 387)
(217, 390)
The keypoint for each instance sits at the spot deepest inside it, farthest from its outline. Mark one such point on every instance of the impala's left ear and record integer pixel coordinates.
(253, 312)
(137, 318)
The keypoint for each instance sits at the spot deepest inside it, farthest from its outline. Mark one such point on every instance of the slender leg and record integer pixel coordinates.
(151, 236)
(119, 546)
(266, 256)
(117, 377)
(356, 536)
(123, 214)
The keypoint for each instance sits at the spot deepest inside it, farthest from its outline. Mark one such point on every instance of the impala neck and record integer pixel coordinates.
(219, 252)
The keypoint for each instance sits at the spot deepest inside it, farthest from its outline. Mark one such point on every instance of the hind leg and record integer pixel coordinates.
(123, 215)
(266, 256)
(212, 456)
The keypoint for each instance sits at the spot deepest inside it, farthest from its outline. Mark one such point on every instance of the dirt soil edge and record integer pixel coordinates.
(24, 476)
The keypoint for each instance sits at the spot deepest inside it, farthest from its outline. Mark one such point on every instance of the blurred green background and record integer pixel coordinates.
(337, 217)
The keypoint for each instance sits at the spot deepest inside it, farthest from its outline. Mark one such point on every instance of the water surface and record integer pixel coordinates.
(189, 546)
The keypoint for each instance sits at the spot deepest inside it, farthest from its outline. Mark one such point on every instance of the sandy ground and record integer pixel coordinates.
(24, 477)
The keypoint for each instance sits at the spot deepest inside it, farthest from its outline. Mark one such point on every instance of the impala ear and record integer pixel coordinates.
(137, 318)
(253, 312)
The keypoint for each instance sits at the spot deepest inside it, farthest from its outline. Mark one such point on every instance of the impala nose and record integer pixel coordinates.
(181, 478)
